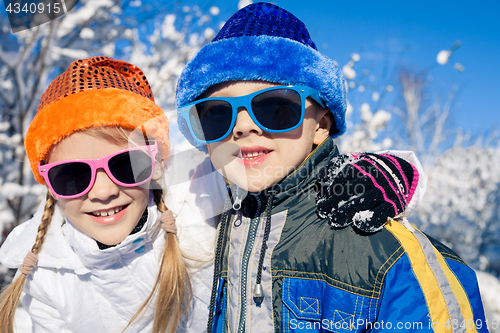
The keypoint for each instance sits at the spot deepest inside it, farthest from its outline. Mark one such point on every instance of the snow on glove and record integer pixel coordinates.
(365, 190)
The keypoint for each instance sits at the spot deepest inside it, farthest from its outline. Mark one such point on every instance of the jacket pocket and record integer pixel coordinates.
(315, 306)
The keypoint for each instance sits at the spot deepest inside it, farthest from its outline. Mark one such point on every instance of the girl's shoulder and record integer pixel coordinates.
(20, 240)
(56, 252)
(195, 195)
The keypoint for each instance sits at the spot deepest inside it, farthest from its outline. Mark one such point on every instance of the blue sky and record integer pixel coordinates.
(413, 32)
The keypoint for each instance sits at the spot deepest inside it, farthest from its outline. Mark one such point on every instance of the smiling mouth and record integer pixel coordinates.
(108, 212)
(248, 155)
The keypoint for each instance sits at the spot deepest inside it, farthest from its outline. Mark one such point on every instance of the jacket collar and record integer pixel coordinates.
(91, 256)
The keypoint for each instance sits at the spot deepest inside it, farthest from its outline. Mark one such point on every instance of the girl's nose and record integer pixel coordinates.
(104, 188)
(245, 125)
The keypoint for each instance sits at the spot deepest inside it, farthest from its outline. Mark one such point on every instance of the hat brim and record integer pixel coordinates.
(93, 108)
(265, 58)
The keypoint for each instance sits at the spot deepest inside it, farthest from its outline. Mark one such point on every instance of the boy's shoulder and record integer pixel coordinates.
(445, 251)
(343, 252)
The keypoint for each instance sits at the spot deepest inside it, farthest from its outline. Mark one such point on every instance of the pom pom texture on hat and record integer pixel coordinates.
(263, 42)
(95, 92)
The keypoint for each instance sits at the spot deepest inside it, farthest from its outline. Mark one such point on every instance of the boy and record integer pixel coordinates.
(268, 104)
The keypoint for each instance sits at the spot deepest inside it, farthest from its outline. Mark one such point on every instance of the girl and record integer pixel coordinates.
(97, 238)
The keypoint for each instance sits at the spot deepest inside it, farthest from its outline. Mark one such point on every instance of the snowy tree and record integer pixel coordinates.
(366, 117)
(462, 204)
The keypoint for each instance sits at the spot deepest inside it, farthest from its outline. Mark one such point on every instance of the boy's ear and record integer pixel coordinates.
(158, 171)
(323, 126)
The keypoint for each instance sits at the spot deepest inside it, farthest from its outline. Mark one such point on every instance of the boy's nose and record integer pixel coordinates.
(244, 125)
(104, 188)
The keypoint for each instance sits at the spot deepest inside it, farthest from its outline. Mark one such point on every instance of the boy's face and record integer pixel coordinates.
(255, 159)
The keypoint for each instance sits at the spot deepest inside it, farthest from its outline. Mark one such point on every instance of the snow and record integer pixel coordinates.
(76, 18)
(379, 120)
(366, 113)
(136, 3)
(209, 33)
(362, 216)
(355, 57)
(7, 85)
(349, 72)
(71, 53)
(459, 67)
(443, 56)
(87, 33)
(244, 3)
(214, 10)
(109, 50)
(349, 109)
(490, 289)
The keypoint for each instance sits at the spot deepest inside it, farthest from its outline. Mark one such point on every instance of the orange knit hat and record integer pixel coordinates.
(95, 92)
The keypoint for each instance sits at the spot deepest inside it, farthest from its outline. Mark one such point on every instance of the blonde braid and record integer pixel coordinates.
(9, 299)
(50, 206)
(172, 284)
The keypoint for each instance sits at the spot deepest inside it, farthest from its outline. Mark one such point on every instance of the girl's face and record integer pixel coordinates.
(108, 212)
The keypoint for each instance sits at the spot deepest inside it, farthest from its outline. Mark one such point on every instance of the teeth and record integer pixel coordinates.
(253, 154)
(108, 212)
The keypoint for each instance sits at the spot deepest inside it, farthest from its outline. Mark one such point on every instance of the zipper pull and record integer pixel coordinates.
(238, 194)
(237, 201)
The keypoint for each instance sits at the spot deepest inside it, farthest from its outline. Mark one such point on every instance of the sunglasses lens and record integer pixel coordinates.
(278, 109)
(210, 120)
(131, 167)
(70, 178)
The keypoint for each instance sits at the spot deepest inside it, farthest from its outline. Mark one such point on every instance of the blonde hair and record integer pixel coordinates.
(172, 283)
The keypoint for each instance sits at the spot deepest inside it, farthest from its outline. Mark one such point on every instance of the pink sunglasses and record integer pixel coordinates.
(73, 178)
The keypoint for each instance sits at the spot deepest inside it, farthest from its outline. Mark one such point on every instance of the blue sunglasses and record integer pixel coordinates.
(275, 110)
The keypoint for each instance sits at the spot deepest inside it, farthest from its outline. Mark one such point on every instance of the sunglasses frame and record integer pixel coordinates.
(96, 164)
(246, 102)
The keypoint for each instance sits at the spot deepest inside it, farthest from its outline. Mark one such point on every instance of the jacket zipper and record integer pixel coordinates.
(252, 232)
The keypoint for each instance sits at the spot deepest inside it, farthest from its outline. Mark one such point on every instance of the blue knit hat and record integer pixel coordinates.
(263, 42)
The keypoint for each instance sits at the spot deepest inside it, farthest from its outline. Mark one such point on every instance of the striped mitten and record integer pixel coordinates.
(365, 190)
